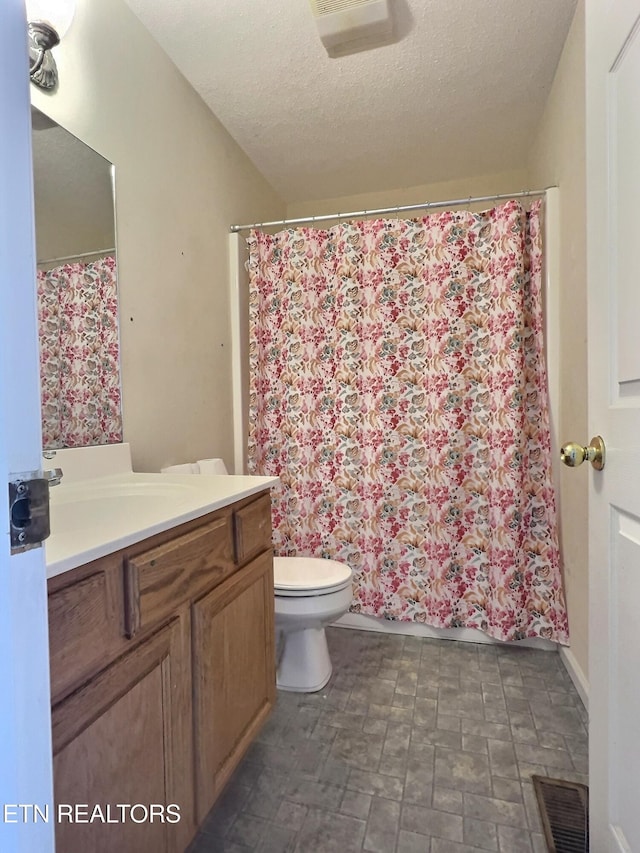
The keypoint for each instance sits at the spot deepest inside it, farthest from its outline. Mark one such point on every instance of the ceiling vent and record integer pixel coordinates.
(349, 26)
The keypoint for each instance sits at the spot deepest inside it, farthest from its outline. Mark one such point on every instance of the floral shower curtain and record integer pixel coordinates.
(79, 354)
(398, 390)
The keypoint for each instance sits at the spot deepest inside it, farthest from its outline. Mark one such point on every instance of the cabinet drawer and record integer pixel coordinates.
(160, 579)
(252, 529)
(86, 628)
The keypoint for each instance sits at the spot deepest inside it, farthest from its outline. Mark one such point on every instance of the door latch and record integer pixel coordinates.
(28, 511)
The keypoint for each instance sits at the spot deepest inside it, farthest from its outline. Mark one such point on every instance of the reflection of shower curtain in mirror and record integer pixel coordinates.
(79, 354)
(398, 390)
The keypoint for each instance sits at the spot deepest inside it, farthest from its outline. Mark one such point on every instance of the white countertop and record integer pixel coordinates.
(95, 517)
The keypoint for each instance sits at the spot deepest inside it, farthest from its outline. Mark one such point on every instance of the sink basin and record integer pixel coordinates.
(125, 503)
(123, 490)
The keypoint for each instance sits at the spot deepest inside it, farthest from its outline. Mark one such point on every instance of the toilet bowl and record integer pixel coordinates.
(310, 593)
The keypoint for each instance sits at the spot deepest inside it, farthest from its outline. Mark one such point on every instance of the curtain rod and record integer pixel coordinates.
(427, 205)
(76, 257)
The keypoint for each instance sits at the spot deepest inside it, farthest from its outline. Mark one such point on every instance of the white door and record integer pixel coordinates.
(25, 719)
(613, 240)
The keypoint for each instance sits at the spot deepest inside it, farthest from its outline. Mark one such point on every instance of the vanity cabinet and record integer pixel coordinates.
(162, 673)
(234, 681)
(124, 738)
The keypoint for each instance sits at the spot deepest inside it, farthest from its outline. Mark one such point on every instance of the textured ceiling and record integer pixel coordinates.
(459, 93)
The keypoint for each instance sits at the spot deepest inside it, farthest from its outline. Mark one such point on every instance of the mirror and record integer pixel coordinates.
(77, 289)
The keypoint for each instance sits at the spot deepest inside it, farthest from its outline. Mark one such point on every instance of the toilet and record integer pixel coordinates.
(310, 593)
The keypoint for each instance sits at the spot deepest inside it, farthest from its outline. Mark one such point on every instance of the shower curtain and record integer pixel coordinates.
(398, 390)
(79, 354)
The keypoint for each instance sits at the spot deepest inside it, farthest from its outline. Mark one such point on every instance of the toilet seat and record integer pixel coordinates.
(309, 576)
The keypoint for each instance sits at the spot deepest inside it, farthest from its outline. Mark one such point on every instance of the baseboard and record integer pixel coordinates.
(576, 674)
(361, 622)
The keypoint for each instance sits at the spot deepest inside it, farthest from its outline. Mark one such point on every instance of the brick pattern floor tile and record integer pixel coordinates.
(413, 745)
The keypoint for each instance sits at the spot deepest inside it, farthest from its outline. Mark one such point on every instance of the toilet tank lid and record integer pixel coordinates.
(308, 573)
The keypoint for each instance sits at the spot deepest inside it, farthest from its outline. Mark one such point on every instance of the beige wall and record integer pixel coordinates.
(558, 158)
(180, 182)
(505, 182)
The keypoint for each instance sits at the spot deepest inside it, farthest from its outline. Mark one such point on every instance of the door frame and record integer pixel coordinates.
(25, 712)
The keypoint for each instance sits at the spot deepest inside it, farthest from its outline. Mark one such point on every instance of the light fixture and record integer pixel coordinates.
(48, 21)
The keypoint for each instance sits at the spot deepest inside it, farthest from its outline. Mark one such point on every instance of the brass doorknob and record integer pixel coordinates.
(573, 454)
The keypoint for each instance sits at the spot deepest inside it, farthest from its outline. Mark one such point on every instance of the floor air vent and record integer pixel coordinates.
(564, 808)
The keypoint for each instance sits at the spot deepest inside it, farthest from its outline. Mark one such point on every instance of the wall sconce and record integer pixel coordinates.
(48, 21)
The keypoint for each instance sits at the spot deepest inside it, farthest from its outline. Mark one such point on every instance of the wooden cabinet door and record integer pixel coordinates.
(125, 738)
(233, 673)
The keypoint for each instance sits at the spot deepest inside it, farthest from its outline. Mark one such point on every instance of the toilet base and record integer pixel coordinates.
(304, 665)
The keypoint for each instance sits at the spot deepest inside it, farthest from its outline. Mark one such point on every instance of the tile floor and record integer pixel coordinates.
(414, 746)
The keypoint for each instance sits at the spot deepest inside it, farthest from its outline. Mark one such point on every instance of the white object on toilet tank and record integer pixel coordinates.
(185, 468)
(202, 466)
(211, 466)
